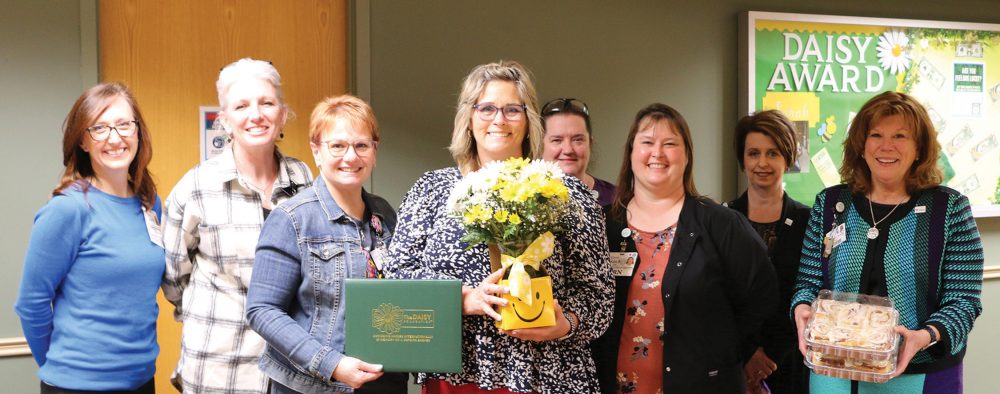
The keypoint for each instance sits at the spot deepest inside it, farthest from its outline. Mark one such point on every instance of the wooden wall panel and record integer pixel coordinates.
(170, 53)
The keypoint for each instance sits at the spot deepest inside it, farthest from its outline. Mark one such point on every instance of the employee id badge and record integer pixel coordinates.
(153, 227)
(380, 255)
(834, 238)
(623, 263)
(838, 235)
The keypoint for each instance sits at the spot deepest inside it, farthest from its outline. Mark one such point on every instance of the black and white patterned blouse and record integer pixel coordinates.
(426, 245)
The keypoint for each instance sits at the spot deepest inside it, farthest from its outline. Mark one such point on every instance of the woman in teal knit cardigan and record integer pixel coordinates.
(907, 238)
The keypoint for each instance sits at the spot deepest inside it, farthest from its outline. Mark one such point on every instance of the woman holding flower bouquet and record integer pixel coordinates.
(699, 285)
(496, 120)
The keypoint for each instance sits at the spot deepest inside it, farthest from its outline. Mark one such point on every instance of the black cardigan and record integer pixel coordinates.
(779, 335)
(718, 289)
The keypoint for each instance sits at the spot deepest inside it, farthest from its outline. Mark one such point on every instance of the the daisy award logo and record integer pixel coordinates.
(387, 318)
(893, 53)
(390, 320)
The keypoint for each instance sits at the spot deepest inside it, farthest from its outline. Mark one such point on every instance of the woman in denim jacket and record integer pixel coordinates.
(308, 246)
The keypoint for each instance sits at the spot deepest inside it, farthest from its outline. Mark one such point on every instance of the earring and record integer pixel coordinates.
(281, 136)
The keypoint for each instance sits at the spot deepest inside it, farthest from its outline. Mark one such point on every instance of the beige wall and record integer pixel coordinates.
(47, 51)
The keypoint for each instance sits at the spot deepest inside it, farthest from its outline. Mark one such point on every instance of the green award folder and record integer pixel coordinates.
(405, 325)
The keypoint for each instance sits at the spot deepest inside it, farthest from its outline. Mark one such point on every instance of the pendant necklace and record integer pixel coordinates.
(872, 231)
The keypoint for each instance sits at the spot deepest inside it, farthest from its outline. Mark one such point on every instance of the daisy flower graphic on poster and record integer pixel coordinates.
(892, 53)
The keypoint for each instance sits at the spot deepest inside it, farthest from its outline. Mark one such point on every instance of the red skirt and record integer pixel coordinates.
(435, 386)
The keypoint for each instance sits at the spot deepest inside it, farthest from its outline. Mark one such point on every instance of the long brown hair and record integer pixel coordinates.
(88, 107)
(923, 174)
(626, 179)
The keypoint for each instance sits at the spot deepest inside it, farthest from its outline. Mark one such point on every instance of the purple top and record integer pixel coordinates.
(605, 191)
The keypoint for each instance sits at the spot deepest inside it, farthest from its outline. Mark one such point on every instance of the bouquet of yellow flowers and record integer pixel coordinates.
(516, 205)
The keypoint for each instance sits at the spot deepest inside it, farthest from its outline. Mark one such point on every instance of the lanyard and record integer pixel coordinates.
(376, 256)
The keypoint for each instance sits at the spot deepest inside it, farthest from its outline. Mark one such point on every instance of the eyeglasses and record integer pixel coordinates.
(338, 148)
(511, 112)
(565, 105)
(102, 132)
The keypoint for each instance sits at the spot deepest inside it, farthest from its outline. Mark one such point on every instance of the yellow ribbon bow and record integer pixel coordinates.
(520, 283)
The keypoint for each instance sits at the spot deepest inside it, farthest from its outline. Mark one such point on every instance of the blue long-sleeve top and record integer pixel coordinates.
(87, 301)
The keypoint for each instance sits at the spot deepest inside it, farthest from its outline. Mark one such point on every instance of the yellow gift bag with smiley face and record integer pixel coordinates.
(519, 314)
(529, 303)
(508, 205)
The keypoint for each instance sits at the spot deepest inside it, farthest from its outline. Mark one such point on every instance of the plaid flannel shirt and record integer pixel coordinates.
(211, 223)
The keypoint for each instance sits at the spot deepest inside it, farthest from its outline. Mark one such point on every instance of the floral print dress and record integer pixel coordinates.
(640, 356)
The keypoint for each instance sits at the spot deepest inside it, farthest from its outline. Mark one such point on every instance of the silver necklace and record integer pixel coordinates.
(872, 231)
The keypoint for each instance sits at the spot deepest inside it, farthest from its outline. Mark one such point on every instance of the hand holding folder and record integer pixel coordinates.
(405, 325)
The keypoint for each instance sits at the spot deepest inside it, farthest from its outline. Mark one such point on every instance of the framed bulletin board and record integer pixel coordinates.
(819, 70)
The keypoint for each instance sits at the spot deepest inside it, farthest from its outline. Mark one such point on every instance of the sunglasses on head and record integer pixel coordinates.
(565, 105)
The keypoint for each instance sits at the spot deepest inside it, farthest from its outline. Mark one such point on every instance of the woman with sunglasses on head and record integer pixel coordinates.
(569, 141)
(212, 220)
(765, 148)
(94, 262)
(288, 305)
(688, 310)
(497, 119)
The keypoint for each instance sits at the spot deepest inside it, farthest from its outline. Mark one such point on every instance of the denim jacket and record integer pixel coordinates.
(308, 245)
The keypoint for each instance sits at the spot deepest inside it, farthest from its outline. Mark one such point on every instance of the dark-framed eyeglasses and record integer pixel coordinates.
(102, 132)
(338, 148)
(511, 112)
(565, 105)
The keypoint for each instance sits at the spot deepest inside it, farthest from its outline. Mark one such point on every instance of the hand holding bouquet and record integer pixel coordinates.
(516, 205)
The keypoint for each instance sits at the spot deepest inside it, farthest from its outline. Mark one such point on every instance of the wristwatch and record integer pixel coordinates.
(572, 326)
(934, 337)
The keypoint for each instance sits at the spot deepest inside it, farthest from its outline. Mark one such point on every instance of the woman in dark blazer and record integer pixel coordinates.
(693, 282)
(765, 148)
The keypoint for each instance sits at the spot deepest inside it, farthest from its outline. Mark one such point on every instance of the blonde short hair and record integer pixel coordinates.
(348, 107)
(244, 69)
(463, 144)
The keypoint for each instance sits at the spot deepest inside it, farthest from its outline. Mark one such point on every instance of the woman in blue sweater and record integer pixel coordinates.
(94, 262)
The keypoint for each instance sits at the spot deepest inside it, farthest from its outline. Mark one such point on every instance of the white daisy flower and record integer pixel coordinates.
(892, 54)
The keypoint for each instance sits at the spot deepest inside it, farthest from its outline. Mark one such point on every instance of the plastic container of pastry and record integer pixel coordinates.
(851, 336)
(849, 368)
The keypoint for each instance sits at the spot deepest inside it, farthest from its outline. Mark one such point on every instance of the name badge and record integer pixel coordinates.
(153, 227)
(919, 209)
(380, 255)
(838, 235)
(623, 263)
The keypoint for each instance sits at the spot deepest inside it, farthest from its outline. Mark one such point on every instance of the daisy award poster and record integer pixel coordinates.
(819, 70)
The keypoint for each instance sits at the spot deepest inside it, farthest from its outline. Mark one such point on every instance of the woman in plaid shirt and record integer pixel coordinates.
(212, 220)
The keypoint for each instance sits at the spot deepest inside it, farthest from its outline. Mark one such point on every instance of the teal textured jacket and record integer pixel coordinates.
(932, 261)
